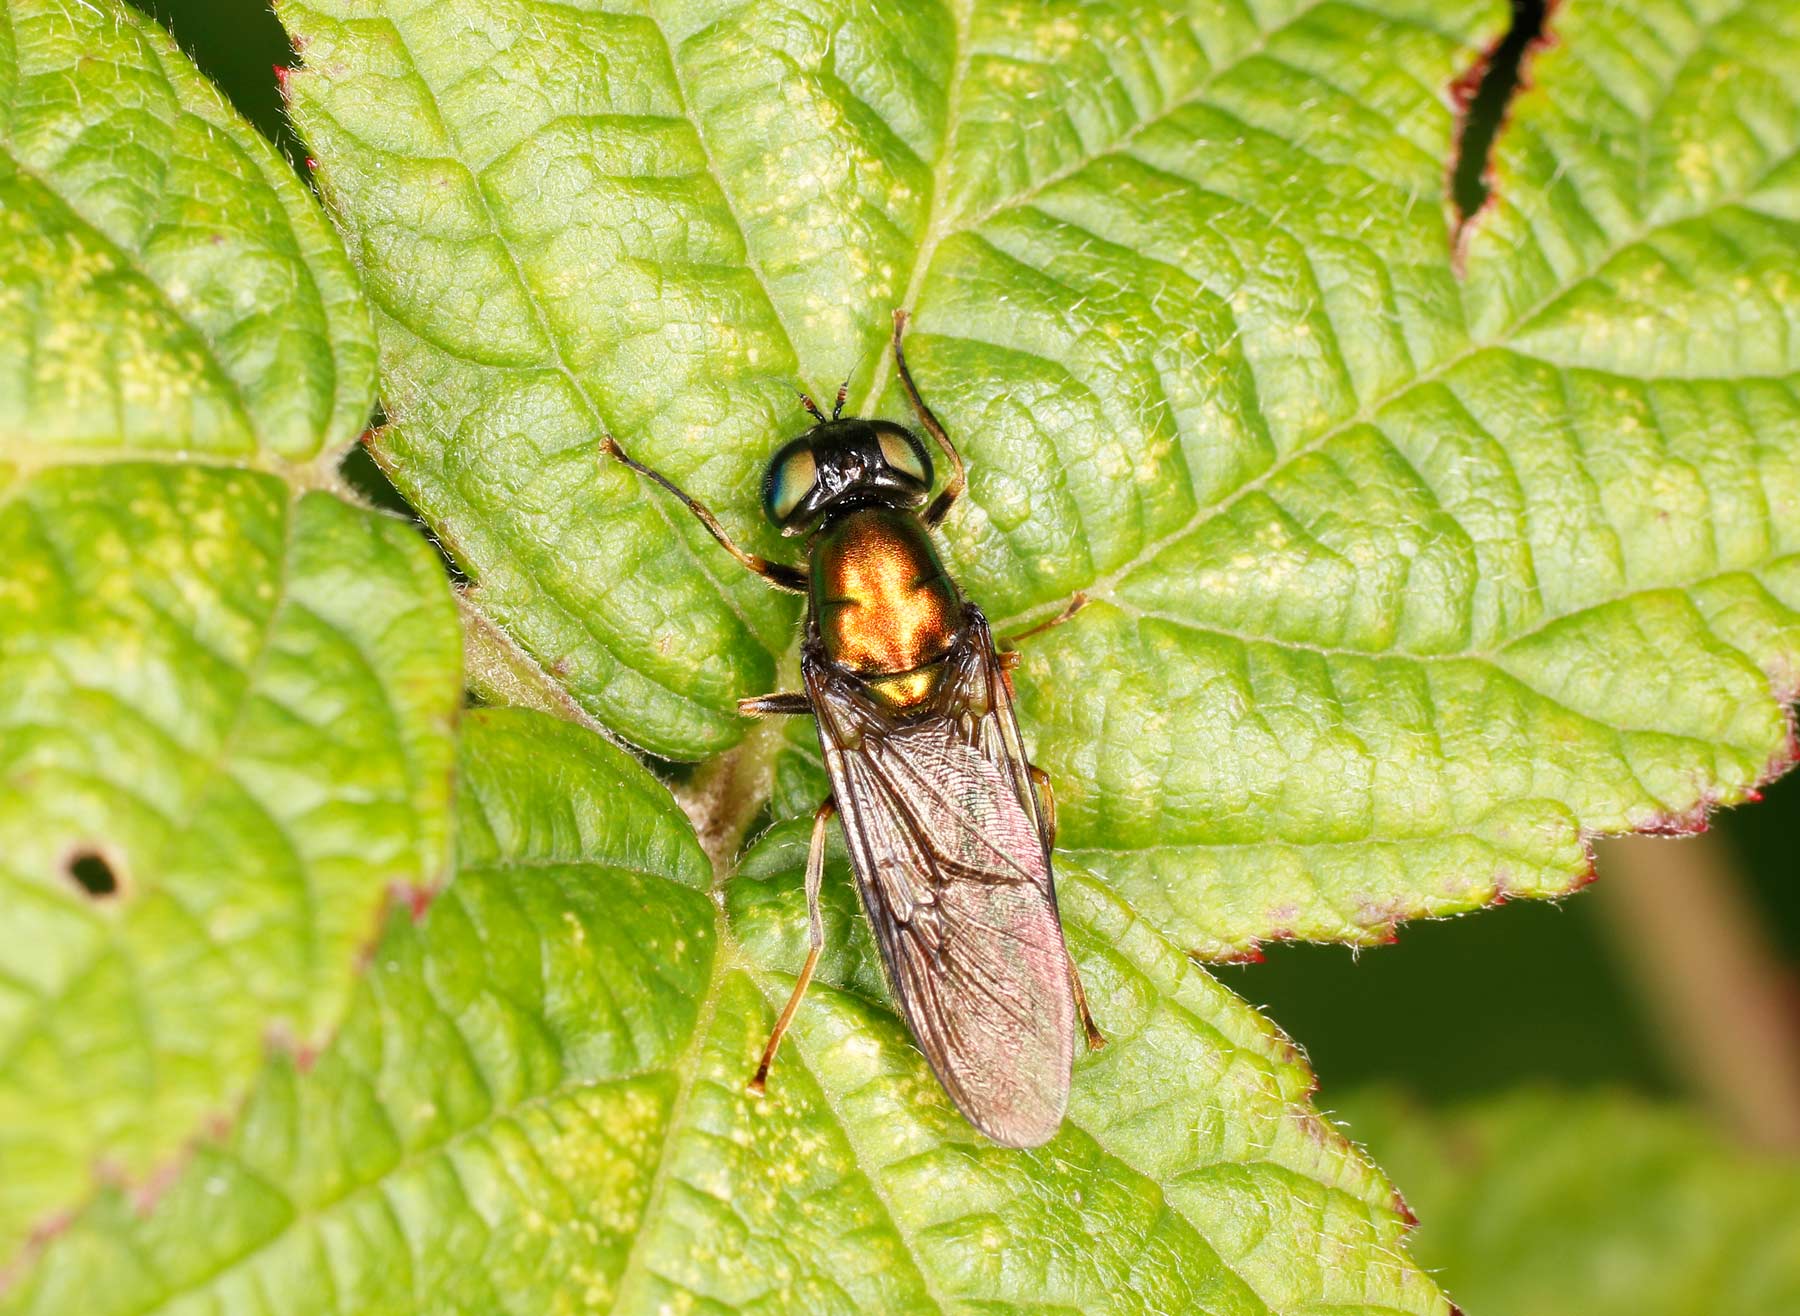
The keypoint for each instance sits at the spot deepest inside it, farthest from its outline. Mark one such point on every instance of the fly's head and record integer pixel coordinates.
(839, 464)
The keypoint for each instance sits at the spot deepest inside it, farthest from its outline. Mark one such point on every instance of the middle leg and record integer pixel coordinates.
(790, 703)
(1077, 601)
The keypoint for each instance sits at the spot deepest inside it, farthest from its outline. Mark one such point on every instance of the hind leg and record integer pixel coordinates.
(815, 940)
(1047, 811)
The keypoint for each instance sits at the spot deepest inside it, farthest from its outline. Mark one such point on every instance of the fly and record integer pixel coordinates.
(950, 828)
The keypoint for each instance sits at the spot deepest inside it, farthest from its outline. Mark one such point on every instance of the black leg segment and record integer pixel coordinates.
(784, 703)
(777, 574)
(958, 476)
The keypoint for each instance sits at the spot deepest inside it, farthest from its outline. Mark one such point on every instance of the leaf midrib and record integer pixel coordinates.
(325, 450)
(684, 95)
(1368, 412)
(1489, 656)
(559, 360)
(730, 958)
(636, 1267)
(939, 227)
(124, 260)
(774, 995)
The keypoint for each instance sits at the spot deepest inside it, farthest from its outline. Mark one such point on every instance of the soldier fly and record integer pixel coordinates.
(949, 827)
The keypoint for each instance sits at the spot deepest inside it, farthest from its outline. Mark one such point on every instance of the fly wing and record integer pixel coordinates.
(954, 874)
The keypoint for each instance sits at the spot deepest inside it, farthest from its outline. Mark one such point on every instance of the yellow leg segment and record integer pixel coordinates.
(815, 936)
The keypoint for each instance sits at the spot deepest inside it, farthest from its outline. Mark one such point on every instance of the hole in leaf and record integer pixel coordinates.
(93, 873)
(1482, 95)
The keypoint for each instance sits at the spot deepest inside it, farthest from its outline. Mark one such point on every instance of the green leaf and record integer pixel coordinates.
(225, 701)
(1418, 558)
(537, 1104)
(167, 286)
(1592, 1205)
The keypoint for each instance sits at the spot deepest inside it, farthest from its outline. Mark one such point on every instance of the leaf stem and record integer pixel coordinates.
(729, 791)
(1718, 998)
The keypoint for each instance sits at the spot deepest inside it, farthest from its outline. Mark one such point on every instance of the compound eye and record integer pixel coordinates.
(904, 455)
(794, 479)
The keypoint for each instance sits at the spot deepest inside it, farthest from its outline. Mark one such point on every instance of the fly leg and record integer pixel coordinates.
(1008, 657)
(958, 477)
(1046, 802)
(1047, 807)
(788, 702)
(815, 940)
(1077, 601)
(1095, 1038)
(776, 573)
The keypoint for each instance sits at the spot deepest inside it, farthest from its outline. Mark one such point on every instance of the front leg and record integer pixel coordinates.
(958, 477)
(778, 574)
(788, 703)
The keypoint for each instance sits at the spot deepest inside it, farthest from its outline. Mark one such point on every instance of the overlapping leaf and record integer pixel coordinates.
(1417, 559)
(1596, 1205)
(225, 703)
(1414, 562)
(537, 1104)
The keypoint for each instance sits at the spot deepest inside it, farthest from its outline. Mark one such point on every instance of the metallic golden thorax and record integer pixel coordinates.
(885, 604)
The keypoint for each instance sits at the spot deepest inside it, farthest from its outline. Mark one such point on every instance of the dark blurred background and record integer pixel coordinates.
(1531, 991)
